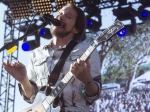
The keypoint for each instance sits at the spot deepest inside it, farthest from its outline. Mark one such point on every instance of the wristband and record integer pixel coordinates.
(88, 83)
(84, 89)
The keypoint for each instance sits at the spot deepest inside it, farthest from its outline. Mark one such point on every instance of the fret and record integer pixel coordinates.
(87, 53)
(67, 77)
(83, 57)
(91, 49)
(61, 84)
(94, 43)
(55, 92)
(58, 87)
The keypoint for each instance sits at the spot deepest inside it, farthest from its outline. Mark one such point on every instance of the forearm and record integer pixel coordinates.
(26, 88)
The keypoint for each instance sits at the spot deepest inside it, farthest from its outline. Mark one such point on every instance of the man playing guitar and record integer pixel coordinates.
(85, 86)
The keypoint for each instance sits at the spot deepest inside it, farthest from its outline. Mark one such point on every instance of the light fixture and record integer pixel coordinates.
(27, 28)
(89, 3)
(29, 45)
(143, 13)
(45, 33)
(42, 6)
(20, 8)
(145, 2)
(61, 3)
(124, 14)
(122, 2)
(93, 18)
(32, 41)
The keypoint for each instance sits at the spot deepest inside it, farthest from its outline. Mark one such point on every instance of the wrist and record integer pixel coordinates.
(88, 83)
(27, 88)
(83, 92)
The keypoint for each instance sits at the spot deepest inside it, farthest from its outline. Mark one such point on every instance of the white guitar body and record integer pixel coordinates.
(37, 106)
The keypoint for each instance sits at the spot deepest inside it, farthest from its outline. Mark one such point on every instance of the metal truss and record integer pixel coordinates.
(8, 83)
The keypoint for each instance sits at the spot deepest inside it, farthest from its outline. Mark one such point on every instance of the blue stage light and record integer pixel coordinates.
(30, 45)
(42, 32)
(122, 32)
(144, 14)
(45, 33)
(25, 46)
(89, 22)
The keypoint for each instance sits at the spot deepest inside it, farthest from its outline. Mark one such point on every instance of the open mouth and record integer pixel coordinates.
(62, 25)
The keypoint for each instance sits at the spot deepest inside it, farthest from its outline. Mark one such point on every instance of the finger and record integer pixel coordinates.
(87, 64)
(8, 62)
(4, 64)
(8, 69)
(17, 64)
(20, 64)
(80, 62)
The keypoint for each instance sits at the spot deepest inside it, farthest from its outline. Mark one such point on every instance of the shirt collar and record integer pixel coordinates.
(49, 45)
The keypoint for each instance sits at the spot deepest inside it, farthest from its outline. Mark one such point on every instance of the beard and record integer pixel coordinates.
(60, 34)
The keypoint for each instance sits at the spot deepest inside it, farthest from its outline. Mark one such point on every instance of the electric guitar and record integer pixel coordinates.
(43, 103)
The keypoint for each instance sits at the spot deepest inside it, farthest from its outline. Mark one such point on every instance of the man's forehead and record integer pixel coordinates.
(67, 8)
(71, 10)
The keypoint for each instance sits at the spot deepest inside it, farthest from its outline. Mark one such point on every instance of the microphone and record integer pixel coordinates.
(51, 19)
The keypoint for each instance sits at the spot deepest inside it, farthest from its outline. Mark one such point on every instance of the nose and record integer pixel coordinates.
(60, 17)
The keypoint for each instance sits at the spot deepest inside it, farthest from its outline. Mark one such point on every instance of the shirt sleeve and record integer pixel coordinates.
(96, 75)
(34, 92)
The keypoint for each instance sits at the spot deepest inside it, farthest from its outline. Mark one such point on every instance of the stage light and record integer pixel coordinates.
(143, 14)
(126, 14)
(29, 45)
(145, 2)
(61, 3)
(45, 33)
(127, 30)
(20, 8)
(42, 6)
(26, 28)
(122, 32)
(89, 3)
(122, 2)
(93, 18)
(89, 22)
(28, 42)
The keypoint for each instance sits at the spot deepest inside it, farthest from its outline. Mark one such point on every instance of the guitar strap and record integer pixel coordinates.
(58, 67)
(52, 79)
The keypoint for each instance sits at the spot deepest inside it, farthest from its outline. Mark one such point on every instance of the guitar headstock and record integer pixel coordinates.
(110, 31)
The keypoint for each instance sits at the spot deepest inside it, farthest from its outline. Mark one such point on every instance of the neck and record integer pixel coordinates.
(59, 42)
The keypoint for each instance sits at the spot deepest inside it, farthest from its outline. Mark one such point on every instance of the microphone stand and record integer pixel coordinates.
(15, 42)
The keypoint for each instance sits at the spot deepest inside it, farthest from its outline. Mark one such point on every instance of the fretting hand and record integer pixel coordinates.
(81, 70)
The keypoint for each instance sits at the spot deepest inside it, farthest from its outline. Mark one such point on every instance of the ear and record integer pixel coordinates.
(75, 31)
